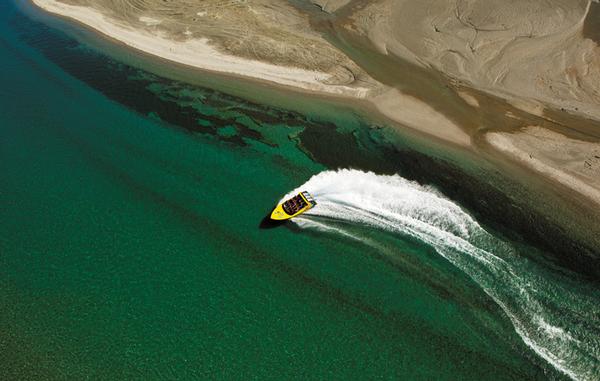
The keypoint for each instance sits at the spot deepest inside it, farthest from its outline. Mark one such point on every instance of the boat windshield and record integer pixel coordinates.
(294, 205)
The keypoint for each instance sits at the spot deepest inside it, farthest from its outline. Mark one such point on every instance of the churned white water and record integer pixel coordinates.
(556, 319)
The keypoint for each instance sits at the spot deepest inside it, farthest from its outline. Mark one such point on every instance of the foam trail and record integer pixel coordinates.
(560, 325)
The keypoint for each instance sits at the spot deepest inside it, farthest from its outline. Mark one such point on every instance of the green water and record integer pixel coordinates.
(130, 245)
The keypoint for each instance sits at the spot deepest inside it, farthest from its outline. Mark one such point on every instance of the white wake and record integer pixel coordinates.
(560, 325)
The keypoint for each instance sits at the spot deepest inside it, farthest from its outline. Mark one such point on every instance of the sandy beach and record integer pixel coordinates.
(198, 53)
(573, 163)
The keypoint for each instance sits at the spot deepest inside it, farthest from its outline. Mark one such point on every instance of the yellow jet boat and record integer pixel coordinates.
(293, 207)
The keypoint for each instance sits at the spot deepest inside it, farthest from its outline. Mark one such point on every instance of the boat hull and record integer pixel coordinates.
(278, 214)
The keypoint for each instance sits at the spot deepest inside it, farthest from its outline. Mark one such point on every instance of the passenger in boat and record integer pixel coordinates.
(294, 206)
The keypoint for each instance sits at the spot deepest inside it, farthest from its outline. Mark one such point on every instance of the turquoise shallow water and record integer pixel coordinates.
(130, 245)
